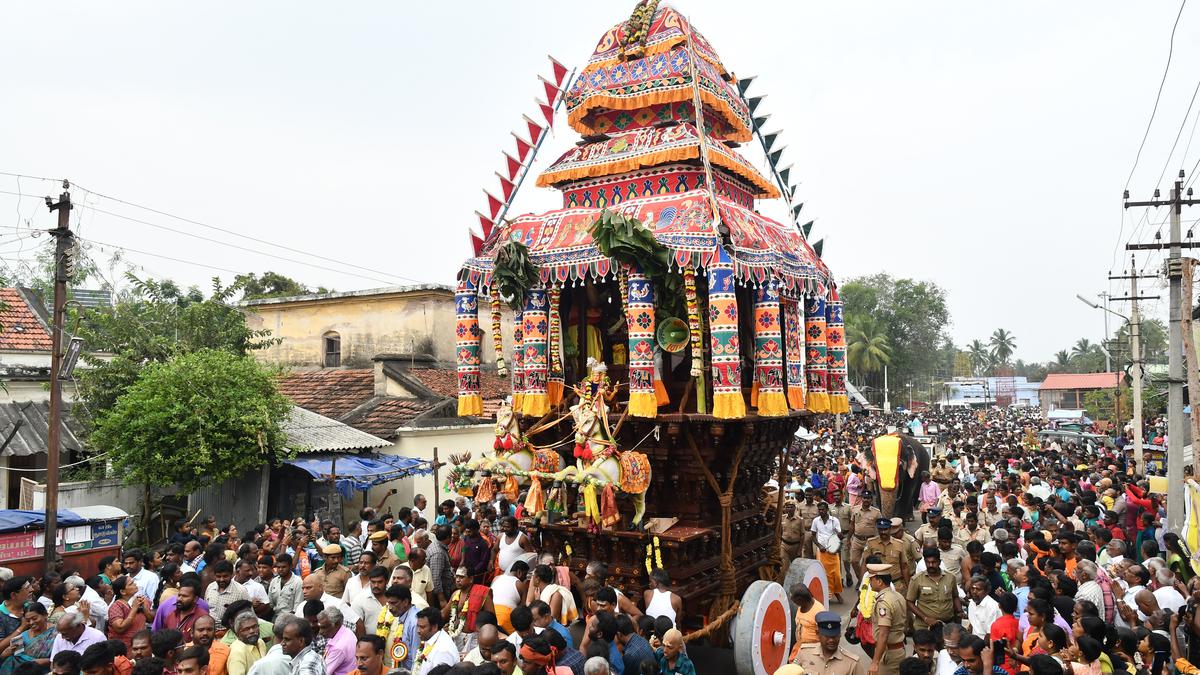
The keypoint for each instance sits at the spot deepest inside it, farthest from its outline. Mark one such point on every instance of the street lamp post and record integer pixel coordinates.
(1135, 374)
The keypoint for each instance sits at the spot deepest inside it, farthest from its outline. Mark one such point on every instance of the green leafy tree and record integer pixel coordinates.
(1153, 339)
(196, 419)
(272, 285)
(1002, 344)
(1062, 361)
(152, 322)
(868, 349)
(981, 357)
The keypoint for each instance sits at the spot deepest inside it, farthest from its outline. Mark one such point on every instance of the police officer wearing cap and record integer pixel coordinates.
(926, 535)
(828, 657)
(862, 528)
(890, 550)
(888, 620)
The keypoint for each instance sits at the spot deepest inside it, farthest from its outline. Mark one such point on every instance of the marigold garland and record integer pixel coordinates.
(497, 338)
(555, 383)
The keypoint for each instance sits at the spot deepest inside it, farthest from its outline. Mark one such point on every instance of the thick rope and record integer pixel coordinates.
(713, 625)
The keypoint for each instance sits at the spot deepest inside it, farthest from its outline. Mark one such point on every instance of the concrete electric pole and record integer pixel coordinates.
(62, 253)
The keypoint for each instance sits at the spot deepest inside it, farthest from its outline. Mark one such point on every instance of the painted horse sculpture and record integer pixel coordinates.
(898, 460)
(511, 451)
(597, 456)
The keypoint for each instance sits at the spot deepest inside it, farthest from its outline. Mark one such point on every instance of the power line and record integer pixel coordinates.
(1182, 124)
(159, 255)
(255, 239)
(240, 248)
(1157, 97)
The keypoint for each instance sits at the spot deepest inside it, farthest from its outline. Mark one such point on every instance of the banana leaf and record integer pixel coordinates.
(513, 273)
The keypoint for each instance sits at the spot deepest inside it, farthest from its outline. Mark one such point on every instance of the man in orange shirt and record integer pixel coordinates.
(204, 634)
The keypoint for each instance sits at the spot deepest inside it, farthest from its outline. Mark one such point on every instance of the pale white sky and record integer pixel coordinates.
(980, 145)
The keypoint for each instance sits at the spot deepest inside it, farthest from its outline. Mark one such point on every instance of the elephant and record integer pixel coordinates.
(898, 488)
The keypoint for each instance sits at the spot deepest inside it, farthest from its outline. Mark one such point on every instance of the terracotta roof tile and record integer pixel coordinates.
(1056, 381)
(332, 393)
(382, 416)
(20, 327)
(444, 382)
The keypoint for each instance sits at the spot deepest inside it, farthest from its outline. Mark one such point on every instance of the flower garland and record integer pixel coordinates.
(497, 339)
(653, 555)
(696, 336)
(555, 383)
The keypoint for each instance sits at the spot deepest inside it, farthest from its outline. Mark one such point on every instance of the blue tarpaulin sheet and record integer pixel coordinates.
(360, 472)
(17, 520)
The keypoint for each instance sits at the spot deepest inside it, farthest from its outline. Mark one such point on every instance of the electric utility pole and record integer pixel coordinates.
(1135, 356)
(1175, 423)
(62, 253)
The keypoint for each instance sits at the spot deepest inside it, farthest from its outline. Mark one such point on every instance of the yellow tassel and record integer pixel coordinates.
(754, 395)
(795, 396)
(518, 401)
(591, 508)
(839, 403)
(470, 405)
(818, 402)
(729, 406)
(660, 393)
(535, 405)
(772, 404)
(554, 389)
(643, 404)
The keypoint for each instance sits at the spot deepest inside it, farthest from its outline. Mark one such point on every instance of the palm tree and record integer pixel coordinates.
(868, 348)
(1062, 359)
(980, 356)
(1003, 343)
(1082, 348)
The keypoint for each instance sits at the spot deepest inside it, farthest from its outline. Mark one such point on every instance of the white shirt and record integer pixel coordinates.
(349, 616)
(1169, 598)
(441, 650)
(147, 583)
(1090, 590)
(983, 615)
(256, 591)
(1131, 600)
(354, 586)
(945, 665)
(97, 607)
(826, 531)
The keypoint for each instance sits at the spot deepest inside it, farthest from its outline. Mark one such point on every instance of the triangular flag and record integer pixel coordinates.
(818, 247)
(547, 111)
(523, 146)
(535, 129)
(753, 102)
(776, 155)
(786, 172)
(485, 223)
(513, 165)
(806, 228)
(791, 192)
(506, 187)
(796, 210)
(476, 243)
(760, 121)
(560, 71)
(744, 84)
(770, 138)
(552, 90)
(493, 204)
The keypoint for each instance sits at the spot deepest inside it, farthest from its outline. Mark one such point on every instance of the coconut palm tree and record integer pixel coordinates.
(1062, 359)
(868, 348)
(980, 355)
(1003, 343)
(1082, 348)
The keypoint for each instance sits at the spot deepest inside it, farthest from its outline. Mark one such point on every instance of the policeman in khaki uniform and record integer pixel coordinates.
(891, 551)
(793, 533)
(926, 535)
(888, 620)
(862, 528)
(828, 657)
(910, 542)
(933, 593)
(807, 510)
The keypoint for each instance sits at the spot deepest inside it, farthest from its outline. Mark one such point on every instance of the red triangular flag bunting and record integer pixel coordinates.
(485, 223)
(551, 90)
(513, 166)
(476, 243)
(535, 129)
(523, 146)
(560, 71)
(506, 186)
(493, 204)
(547, 111)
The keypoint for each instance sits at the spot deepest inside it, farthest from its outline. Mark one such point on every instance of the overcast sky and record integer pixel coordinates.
(982, 146)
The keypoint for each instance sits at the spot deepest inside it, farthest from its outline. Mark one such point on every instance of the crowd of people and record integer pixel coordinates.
(459, 591)
(1024, 553)
(1021, 555)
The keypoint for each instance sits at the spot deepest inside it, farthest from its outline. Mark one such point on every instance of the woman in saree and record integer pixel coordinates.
(33, 644)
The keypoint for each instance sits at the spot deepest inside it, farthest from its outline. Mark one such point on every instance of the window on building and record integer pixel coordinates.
(333, 350)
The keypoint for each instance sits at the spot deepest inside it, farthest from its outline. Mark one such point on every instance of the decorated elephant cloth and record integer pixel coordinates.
(468, 340)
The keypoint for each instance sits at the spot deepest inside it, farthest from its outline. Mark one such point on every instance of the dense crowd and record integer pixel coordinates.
(1025, 553)
(461, 590)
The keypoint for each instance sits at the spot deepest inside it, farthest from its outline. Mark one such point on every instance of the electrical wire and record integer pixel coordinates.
(1157, 97)
(62, 466)
(254, 239)
(158, 255)
(1178, 134)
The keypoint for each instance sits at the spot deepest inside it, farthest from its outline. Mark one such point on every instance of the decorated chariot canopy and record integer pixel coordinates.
(658, 264)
